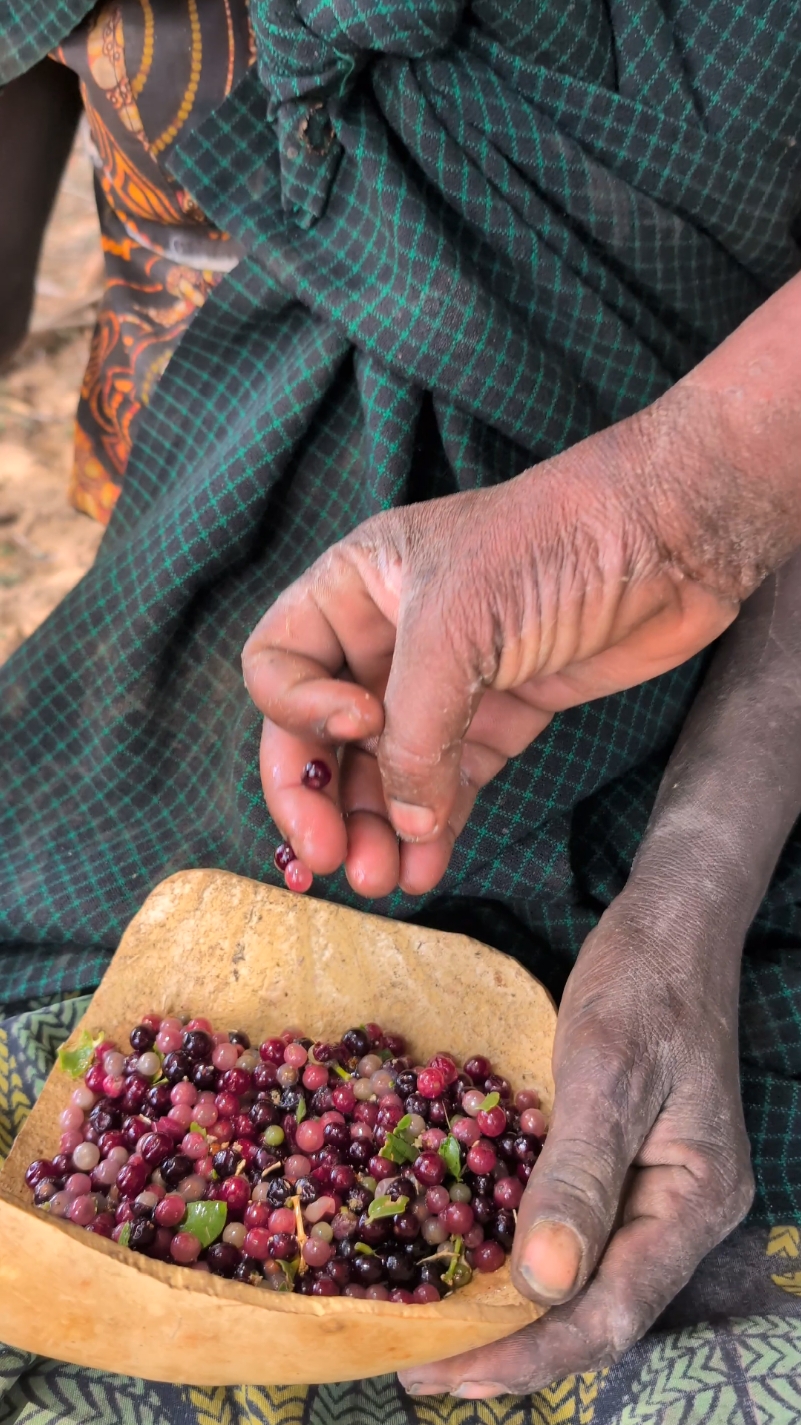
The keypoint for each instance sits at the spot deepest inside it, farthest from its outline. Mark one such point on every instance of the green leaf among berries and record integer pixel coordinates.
(290, 1271)
(386, 1207)
(205, 1220)
(78, 1059)
(397, 1149)
(491, 1101)
(449, 1150)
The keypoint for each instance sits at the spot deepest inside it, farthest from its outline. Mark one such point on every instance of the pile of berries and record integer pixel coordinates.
(325, 1169)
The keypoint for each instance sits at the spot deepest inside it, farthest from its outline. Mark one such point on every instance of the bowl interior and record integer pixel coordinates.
(249, 956)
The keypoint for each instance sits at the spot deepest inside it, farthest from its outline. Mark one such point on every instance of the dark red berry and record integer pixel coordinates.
(133, 1177)
(367, 1270)
(430, 1083)
(429, 1169)
(158, 1099)
(399, 1268)
(223, 1259)
(238, 1036)
(204, 1077)
(176, 1066)
(395, 1043)
(444, 1064)
(492, 1122)
(135, 1096)
(197, 1045)
(94, 1078)
(406, 1226)
(41, 1169)
(142, 1235)
(360, 1153)
(508, 1192)
(236, 1081)
(175, 1169)
(502, 1227)
(236, 1192)
(264, 1076)
(156, 1147)
(249, 1271)
(135, 1128)
(483, 1209)
(478, 1067)
(375, 1231)
(284, 856)
(494, 1083)
(356, 1043)
(489, 1257)
(338, 1270)
(283, 1246)
(142, 1038)
(44, 1190)
(316, 775)
(103, 1224)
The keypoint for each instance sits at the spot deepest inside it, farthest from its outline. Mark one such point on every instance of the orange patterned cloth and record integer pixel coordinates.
(149, 69)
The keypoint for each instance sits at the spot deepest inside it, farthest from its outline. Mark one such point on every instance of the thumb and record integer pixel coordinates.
(574, 1194)
(426, 717)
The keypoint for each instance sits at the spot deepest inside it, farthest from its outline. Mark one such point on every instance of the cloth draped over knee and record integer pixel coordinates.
(472, 236)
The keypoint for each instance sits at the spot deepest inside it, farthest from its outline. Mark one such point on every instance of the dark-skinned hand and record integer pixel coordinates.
(438, 640)
(646, 1165)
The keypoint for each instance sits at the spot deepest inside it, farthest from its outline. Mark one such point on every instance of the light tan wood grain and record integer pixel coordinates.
(206, 942)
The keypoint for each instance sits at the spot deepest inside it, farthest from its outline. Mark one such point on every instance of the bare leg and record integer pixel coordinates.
(38, 116)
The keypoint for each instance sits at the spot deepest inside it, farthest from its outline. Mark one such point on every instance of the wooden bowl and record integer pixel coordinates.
(209, 943)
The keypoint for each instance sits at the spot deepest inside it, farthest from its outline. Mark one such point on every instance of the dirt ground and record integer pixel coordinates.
(45, 545)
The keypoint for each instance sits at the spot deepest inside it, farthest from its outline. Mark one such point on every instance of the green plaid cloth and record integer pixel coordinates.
(473, 236)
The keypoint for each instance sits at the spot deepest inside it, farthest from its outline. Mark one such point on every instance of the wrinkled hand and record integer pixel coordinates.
(646, 1166)
(438, 640)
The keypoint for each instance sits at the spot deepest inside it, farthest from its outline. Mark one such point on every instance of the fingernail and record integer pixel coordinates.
(550, 1260)
(425, 1389)
(479, 1390)
(410, 820)
(343, 726)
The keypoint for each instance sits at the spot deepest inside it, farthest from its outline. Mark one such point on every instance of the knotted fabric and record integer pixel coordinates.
(310, 55)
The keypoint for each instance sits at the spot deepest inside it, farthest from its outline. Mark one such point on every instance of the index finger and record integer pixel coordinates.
(291, 660)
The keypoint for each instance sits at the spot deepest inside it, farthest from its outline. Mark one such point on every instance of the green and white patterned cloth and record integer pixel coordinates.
(473, 235)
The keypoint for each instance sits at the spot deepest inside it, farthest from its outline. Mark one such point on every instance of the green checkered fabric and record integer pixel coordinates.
(30, 28)
(473, 236)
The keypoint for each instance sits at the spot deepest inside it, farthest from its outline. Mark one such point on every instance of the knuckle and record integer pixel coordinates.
(722, 1184)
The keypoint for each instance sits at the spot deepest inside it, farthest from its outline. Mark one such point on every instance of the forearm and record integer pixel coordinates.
(723, 454)
(732, 789)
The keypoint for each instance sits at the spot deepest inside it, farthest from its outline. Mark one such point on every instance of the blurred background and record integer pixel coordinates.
(45, 545)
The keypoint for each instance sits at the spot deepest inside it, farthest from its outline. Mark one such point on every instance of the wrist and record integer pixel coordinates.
(721, 455)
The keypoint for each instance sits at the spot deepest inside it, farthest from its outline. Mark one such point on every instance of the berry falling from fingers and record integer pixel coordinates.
(284, 856)
(316, 775)
(298, 877)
